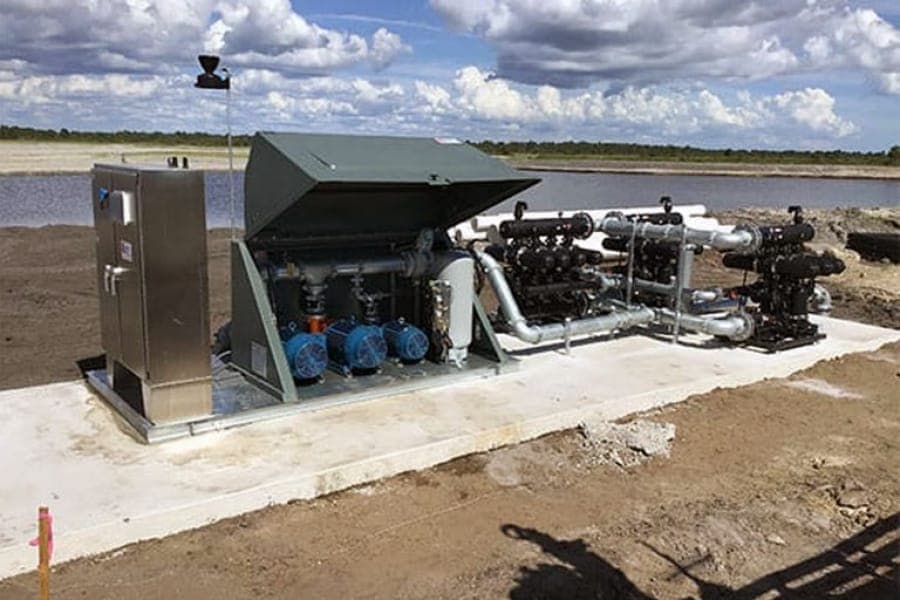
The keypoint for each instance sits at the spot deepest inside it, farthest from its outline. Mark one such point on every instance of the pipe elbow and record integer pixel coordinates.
(737, 326)
(525, 333)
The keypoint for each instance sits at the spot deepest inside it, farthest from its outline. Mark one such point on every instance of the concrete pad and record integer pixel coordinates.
(60, 445)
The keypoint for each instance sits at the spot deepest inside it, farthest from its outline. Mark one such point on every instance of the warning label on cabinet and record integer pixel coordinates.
(259, 357)
(127, 251)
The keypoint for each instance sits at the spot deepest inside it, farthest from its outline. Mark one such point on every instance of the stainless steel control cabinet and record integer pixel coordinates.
(152, 279)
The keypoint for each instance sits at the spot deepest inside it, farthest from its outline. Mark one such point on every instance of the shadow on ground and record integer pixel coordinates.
(863, 566)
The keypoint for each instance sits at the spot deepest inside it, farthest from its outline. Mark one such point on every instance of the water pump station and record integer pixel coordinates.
(347, 284)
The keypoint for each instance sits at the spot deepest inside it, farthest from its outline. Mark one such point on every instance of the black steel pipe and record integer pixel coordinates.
(783, 235)
(793, 265)
(576, 226)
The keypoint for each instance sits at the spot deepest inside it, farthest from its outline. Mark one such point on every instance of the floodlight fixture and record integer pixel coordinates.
(209, 80)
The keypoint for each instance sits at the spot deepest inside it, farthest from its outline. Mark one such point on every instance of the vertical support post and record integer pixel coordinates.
(629, 280)
(679, 284)
(230, 160)
(44, 552)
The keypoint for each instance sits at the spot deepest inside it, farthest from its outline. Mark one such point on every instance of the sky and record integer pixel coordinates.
(804, 74)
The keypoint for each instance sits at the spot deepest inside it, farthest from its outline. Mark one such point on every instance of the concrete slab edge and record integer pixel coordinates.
(109, 536)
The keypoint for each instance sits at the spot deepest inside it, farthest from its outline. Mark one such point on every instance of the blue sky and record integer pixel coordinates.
(727, 73)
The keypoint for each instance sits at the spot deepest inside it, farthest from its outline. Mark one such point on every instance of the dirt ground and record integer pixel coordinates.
(48, 306)
(783, 487)
(20, 157)
(48, 299)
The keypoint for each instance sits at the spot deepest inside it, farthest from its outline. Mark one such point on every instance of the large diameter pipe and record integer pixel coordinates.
(535, 334)
(579, 225)
(737, 326)
(783, 235)
(743, 238)
(408, 264)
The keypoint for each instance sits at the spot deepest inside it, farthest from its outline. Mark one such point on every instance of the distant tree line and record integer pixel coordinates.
(196, 138)
(600, 150)
(645, 152)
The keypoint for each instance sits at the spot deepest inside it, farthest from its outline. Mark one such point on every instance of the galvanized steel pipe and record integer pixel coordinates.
(408, 264)
(821, 300)
(535, 334)
(743, 238)
(737, 326)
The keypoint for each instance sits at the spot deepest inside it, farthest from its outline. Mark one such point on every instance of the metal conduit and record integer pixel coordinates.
(737, 326)
(745, 238)
(535, 334)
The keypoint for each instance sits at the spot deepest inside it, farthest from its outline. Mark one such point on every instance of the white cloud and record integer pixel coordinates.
(574, 43)
(490, 97)
(482, 95)
(160, 36)
(268, 33)
(814, 108)
(890, 83)
(44, 89)
(369, 93)
(290, 108)
(385, 47)
(436, 98)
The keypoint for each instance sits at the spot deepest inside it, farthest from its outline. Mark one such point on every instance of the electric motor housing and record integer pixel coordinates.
(307, 355)
(354, 346)
(405, 341)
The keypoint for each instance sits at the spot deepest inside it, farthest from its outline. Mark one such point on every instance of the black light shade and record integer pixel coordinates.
(209, 63)
(208, 80)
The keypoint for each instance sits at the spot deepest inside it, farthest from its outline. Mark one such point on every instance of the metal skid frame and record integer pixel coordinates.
(258, 354)
(242, 395)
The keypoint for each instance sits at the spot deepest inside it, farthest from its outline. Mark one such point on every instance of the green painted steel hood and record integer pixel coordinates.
(328, 187)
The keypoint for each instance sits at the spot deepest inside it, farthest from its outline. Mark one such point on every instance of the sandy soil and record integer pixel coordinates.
(48, 308)
(786, 485)
(48, 300)
(70, 157)
(684, 168)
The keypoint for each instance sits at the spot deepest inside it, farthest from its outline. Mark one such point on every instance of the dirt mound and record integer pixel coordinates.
(628, 444)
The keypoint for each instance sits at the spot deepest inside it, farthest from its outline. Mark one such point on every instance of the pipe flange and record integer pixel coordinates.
(755, 235)
(746, 331)
(590, 221)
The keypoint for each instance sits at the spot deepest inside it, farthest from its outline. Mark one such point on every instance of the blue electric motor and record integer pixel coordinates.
(355, 347)
(307, 354)
(406, 342)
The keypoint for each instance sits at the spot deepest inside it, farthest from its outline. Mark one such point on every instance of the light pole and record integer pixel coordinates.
(208, 80)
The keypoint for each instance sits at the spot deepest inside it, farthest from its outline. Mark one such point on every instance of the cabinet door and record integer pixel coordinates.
(128, 287)
(106, 253)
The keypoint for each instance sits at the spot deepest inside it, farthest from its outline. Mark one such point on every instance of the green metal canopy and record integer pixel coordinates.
(304, 186)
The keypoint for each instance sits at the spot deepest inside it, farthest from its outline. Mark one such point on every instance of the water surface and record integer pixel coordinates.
(35, 200)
